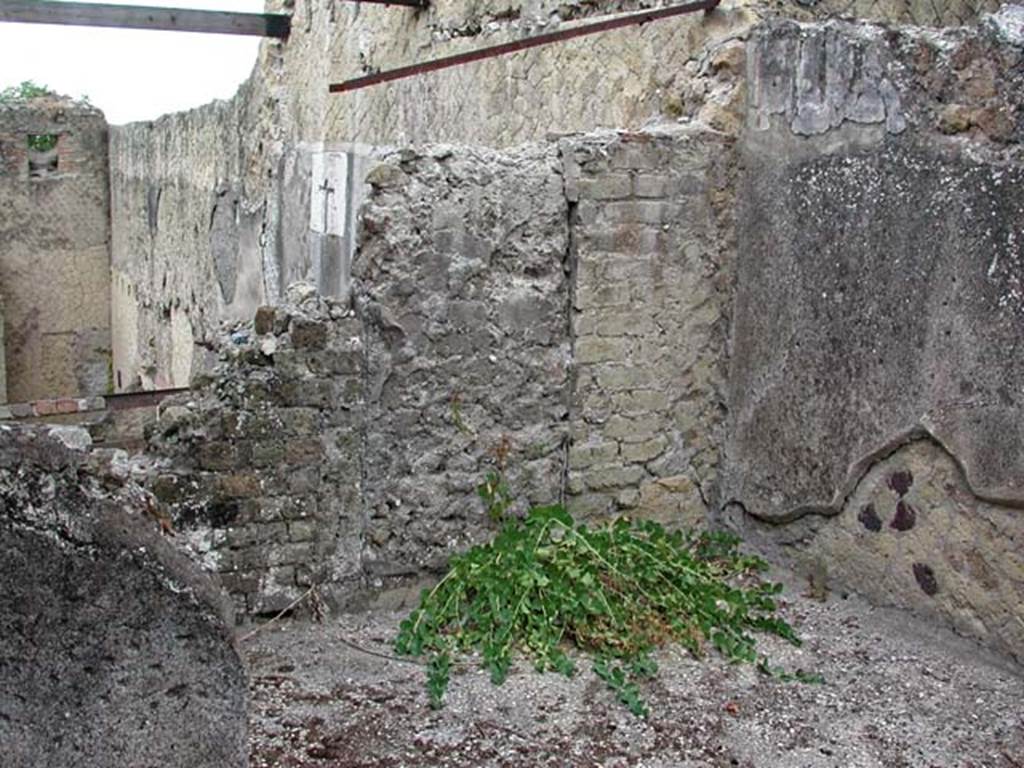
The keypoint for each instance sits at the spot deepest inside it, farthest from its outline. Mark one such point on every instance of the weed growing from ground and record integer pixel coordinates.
(546, 584)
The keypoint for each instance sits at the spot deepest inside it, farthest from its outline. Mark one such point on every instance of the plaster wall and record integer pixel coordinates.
(874, 388)
(55, 251)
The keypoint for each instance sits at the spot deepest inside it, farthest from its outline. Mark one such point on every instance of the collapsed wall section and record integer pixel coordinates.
(263, 461)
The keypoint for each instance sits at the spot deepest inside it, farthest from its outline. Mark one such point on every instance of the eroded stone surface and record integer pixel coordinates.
(113, 647)
(461, 286)
(263, 460)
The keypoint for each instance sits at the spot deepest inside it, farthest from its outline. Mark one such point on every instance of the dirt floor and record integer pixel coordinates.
(896, 693)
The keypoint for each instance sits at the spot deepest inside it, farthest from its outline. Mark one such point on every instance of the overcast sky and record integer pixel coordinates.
(131, 74)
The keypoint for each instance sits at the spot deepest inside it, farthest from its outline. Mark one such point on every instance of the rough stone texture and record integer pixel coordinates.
(461, 286)
(878, 303)
(653, 267)
(54, 250)
(619, 79)
(575, 296)
(113, 647)
(263, 190)
(264, 462)
(3, 356)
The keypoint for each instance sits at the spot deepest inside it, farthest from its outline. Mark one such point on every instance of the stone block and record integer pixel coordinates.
(219, 456)
(586, 455)
(22, 410)
(653, 186)
(591, 506)
(267, 453)
(598, 349)
(315, 393)
(308, 333)
(263, 322)
(634, 429)
(44, 407)
(256, 534)
(304, 480)
(644, 451)
(303, 450)
(616, 378)
(302, 530)
(640, 401)
(601, 295)
(235, 485)
(289, 554)
(615, 476)
(606, 186)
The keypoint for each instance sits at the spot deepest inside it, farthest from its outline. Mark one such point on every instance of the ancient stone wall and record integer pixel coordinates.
(490, 332)
(874, 405)
(653, 262)
(623, 79)
(789, 309)
(215, 212)
(265, 460)
(190, 202)
(264, 190)
(54, 249)
(462, 287)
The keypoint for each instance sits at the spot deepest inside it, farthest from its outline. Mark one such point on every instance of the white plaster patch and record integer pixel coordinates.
(328, 198)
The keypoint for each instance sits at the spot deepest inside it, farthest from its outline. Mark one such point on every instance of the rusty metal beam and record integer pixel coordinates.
(624, 20)
(409, 3)
(143, 17)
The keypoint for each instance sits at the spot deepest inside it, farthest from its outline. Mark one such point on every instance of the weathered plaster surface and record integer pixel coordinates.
(877, 316)
(461, 284)
(55, 252)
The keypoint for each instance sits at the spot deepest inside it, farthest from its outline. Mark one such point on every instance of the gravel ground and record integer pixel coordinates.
(896, 693)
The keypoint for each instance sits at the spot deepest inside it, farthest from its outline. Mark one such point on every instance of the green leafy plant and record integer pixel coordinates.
(24, 91)
(42, 142)
(27, 90)
(546, 584)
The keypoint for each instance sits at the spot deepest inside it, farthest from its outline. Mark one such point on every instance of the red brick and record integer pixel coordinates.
(44, 407)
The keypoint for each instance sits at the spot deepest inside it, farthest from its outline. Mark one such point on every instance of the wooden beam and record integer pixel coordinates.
(587, 28)
(142, 17)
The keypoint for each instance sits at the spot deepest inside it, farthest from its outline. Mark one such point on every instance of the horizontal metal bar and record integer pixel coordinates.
(409, 3)
(142, 17)
(624, 20)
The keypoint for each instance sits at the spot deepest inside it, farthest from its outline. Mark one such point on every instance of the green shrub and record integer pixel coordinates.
(545, 585)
